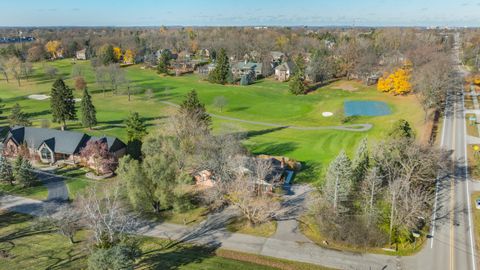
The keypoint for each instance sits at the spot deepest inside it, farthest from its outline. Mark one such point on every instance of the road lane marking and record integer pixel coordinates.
(437, 182)
(470, 224)
(452, 193)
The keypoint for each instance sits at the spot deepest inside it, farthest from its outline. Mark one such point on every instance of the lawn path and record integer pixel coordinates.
(353, 127)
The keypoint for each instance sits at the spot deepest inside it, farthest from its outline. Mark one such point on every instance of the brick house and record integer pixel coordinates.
(51, 145)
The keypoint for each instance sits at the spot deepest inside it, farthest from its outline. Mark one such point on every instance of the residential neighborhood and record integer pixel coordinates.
(253, 135)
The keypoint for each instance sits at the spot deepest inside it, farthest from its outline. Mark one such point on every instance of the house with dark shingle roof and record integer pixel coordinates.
(51, 145)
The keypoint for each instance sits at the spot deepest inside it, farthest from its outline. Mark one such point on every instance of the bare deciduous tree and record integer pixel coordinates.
(64, 218)
(106, 216)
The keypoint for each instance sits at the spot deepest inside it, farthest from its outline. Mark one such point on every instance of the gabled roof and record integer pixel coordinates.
(63, 142)
(248, 65)
(285, 66)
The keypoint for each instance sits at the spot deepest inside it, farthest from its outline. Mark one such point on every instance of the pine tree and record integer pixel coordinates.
(192, 107)
(89, 114)
(62, 103)
(297, 83)
(108, 55)
(361, 161)
(401, 129)
(222, 68)
(297, 86)
(135, 127)
(25, 176)
(6, 173)
(17, 117)
(163, 62)
(338, 183)
(17, 164)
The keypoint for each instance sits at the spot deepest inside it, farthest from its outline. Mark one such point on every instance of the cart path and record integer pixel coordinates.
(353, 127)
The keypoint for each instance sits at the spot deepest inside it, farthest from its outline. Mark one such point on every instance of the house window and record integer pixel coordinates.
(46, 154)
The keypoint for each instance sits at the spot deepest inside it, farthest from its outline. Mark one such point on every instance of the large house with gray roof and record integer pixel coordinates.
(51, 145)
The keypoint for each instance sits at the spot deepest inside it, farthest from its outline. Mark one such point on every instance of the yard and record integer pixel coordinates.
(265, 101)
(31, 247)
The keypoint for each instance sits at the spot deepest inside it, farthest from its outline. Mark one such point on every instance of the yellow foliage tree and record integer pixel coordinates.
(129, 57)
(53, 47)
(476, 79)
(397, 83)
(117, 52)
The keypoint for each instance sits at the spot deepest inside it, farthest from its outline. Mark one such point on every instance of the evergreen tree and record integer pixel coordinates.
(297, 85)
(135, 127)
(6, 173)
(18, 117)
(338, 183)
(17, 164)
(164, 62)
(401, 129)
(192, 107)
(136, 130)
(222, 68)
(62, 103)
(362, 161)
(108, 56)
(25, 176)
(89, 114)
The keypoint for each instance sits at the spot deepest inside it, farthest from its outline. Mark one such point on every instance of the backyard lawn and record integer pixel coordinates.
(265, 101)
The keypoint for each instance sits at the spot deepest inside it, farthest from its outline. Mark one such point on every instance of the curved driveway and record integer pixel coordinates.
(57, 189)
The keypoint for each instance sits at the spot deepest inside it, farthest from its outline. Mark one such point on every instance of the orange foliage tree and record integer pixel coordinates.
(397, 83)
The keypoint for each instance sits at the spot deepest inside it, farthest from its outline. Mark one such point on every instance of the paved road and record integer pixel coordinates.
(452, 244)
(353, 127)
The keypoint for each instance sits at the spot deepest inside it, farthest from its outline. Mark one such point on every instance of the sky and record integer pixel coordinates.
(240, 12)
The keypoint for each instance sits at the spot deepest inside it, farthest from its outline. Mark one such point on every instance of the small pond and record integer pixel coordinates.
(366, 108)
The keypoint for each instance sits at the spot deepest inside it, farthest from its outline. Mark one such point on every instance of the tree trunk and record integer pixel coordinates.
(335, 195)
(392, 209)
(18, 81)
(64, 125)
(156, 206)
(70, 238)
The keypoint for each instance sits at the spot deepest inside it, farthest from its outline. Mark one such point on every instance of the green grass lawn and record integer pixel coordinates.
(26, 246)
(476, 220)
(265, 101)
(37, 192)
(310, 228)
(266, 229)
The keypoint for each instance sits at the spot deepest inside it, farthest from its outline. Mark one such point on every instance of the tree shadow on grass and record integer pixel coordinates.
(238, 109)
(59, 262)
(176, 258)
(311, 172)
(11, 218)
(15, 99)
(274, 149)
(40, 113)
(104, 125)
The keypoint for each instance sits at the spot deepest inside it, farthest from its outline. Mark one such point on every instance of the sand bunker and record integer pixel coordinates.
(44, 97)
(347, 86)
(38, 97)
(327, 114)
